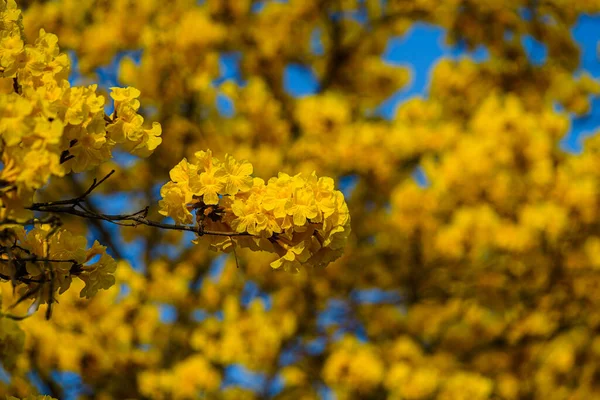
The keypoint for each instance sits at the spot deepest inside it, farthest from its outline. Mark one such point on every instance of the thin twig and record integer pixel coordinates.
(96, 184)
(69, 206)
(16, 317)
(107, 238)
(37, 259)
(22, 279)
(135, 219)
(51, 219)
(29, 294)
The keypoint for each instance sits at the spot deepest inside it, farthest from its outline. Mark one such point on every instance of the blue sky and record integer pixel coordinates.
(423, 46)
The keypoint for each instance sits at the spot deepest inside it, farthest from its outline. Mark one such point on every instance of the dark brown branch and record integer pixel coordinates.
(37, 259)
(22, 279)
(107, 238)
(51, 291)
(51, 220)
(337, 56)
(65, 156)
(74, 207)
(77, 200)
(95, 184)
(15, 317)
(340, 54)
(134, 219)
(55, 389)
(27, 295)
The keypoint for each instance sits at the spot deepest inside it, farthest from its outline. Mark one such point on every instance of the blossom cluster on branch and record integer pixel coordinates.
(301, 218)
(45, 260)
(50, 128)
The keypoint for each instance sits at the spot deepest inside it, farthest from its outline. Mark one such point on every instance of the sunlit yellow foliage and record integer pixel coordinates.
(479, 281)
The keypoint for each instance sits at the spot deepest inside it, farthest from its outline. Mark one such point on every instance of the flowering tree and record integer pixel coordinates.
(491, 267)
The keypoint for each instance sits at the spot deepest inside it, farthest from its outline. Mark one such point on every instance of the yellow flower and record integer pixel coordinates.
(11, 47)
(209, 185)
(236, 176)
(278, 195)
(293, 258)
(467, 386)
(303, 207)
(122, 95)
(176, 196)
(183, 172)
(98, 275)
(14, 112)
(66, 246)
(127, 127)
(205, 160)
(147, 142)
(40, 165)
(353, 364)
(91, 149)
(249, 216)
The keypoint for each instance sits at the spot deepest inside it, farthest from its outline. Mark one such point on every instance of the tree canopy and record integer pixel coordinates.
(169, 231)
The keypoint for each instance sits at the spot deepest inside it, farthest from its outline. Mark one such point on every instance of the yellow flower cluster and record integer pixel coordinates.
(354, 364)
(47, 261)
(48, 127)
(185, 380)
(251, 338)
(301, 218)
(126, 126)
(81, 330)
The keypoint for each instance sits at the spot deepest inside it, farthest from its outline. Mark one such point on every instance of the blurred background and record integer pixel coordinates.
(462, 134)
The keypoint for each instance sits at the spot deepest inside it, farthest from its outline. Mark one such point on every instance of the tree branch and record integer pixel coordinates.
(107, 238)
(37, 259)
(135, 219)
(51, 219)
(74, 207)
